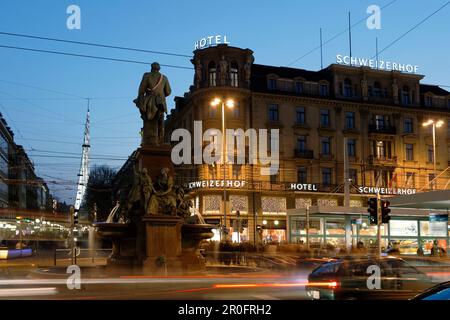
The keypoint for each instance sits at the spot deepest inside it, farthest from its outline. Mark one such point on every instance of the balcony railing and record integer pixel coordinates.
(387, 129)
(382, 160)
(304, 153)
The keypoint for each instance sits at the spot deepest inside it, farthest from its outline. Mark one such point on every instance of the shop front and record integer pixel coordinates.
(410, 231)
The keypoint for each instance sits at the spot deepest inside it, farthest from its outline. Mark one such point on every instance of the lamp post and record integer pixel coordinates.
(230, 104)
(435, 124)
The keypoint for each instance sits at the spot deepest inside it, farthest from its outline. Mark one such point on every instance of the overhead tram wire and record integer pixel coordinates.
(94, 44)
(336, 36)
(92, 57)
(42, 89)
(413, 28)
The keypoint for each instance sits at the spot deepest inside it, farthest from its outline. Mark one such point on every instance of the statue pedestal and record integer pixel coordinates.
(154, 158)
(163, 244)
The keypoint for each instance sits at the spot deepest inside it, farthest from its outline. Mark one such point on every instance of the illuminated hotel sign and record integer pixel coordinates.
(210, 41)
(394, 191)
(376, 64)
(216, 184)
(303, 187)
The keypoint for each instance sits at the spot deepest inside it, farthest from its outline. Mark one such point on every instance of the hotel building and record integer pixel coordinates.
(373, 116)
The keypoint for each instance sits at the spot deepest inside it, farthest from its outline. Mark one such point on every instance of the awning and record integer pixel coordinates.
(439, 199)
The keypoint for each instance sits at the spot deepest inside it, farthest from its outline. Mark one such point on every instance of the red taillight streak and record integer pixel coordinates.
(332, 284)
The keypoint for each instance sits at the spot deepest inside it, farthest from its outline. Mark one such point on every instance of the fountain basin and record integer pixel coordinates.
(110, 230)
(197, 232)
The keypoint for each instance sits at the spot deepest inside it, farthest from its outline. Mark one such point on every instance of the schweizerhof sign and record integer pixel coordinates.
(376, 64)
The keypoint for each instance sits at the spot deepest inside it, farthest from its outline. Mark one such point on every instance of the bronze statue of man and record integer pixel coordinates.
(151, 101)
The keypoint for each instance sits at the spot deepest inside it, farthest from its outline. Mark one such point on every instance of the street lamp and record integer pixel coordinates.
(435, 124)
(230, 104)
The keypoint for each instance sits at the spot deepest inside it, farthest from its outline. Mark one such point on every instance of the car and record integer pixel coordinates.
(438, 292)
(352, 278)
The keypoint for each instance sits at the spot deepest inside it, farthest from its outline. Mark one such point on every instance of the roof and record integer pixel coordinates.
(424, 88)
(260, 72)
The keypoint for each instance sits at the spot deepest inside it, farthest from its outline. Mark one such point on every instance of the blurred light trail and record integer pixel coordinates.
(27, 292)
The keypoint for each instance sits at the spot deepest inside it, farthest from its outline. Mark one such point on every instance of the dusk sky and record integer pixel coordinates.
(42, 96)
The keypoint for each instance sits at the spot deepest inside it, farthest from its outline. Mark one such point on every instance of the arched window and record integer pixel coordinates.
(234, 74)
(348, 90)
(406, 95)
(212, 74)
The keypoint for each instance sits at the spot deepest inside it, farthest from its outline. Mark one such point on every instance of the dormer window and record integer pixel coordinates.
(298, 87)
(348, 89)
(428, 101)
(377, 89)
(212, 74)
(272, 84)
(234, 75)
(406, 96)
(323, 89)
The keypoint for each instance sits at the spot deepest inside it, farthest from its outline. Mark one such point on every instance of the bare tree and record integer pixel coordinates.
(99, 191)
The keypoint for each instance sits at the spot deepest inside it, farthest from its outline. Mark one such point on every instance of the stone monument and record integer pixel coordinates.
(152, 227)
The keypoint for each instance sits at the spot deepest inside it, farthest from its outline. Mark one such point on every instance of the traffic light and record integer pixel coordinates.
(372, 210)
(75, 217)
(385, 211)
(224, 229)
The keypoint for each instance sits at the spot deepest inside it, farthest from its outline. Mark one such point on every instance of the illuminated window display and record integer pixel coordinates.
(273, 205)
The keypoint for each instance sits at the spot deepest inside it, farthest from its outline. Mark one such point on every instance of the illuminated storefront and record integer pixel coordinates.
(410, 231)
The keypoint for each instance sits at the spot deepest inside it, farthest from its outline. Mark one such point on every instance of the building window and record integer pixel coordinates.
(302, 175)
(348, 90)
(239, 203)
(275, 178)
(273, 113)
(370, 91)
(326, 176)
(212, 111)
(236, 112)
(298, 86)
(377, 89)
(237, 171)
(428, 101)
(353, 176)
(301, 143)
(351, 147)
(234, 75)
(212, 172)
(408, 125)
(410, 180)
(432, 181)
(212, 75)
(448, 103)
(324, 117)
(326, 145)
(409, 152)
(212, 204)
(323, 89)
(273, 205)
(430, 153)
(381, 122)
(272, 84)
(301, 116)
(382, 149)
(406, 96)
(350, 120)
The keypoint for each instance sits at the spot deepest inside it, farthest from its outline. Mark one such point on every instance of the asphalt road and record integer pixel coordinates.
(264, 286)
(22, 281)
